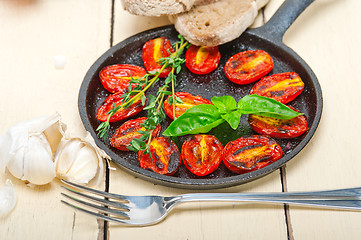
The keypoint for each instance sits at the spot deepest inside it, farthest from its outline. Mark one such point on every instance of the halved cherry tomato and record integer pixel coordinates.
(278, 128)
(202, 60)
(283, 87)
(165, 157)
(248, 66)
(188, 101)
(201, 154)
(116, 78)
(122, 113)
(153, 51)
(128, 131)
(250, 153)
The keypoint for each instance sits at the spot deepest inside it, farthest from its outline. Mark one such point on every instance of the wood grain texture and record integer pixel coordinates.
(32, 33)
(327, 37)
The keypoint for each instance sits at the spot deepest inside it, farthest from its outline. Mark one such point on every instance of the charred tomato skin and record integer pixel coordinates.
(116, 78)
(201, 154)
(121, 114)
(128, 131)
(248, 66)
(201, 59)
(165, 157)
(250, 153)
(189, 101)
(153, 51)
(279, 128)
(283, 87)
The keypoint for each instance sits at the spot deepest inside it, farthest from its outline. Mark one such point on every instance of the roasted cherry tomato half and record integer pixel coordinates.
(201, 154)
(250, 153)
(278, 128)
(188, 101)
(128, 131)
(153, 51)
(248, 66)
(202, 60)
(165, 157)
(116, 78)
(122, 113)
(283, 87)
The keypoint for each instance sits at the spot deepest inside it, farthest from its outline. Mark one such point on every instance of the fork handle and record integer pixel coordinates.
(343, 198)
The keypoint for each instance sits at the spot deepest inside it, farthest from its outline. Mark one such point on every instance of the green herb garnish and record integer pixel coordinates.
(155, 108)
(204, 117)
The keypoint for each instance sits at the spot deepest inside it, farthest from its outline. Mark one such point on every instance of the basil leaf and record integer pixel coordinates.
(233, 118)
(264, 106)
(224, 103)
(198, 119)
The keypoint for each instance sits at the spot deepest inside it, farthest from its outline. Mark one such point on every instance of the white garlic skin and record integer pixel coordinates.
(28, 149)
(38, 161)
(79, 160)
(7, 197)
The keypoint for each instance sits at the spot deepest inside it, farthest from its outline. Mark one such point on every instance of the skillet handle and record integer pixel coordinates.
(283, 18)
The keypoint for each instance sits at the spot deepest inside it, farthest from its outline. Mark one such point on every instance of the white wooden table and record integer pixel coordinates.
(327, 36)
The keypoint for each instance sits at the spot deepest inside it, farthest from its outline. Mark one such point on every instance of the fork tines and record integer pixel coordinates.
(106, 209)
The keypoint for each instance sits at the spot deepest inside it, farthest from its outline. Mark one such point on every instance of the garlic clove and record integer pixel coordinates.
(15, 155)
(16, 164)
(7, 197)
(39, 167)
(27, 148)
(11, 147)
(67, 152)
(85, 166)
(101, 155)
(55, 131)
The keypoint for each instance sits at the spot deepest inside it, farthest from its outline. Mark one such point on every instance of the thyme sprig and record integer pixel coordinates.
(155, 108)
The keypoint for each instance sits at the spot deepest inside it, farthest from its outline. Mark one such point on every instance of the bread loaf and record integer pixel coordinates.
(157, 7)
(161, 7)
(218, 22)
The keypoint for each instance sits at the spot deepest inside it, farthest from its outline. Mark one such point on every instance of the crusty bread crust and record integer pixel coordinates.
(216, 23)
(157, 7)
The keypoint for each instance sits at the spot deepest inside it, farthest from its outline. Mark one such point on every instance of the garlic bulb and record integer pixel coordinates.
(27, 149)
(7, 197)
(79, 160)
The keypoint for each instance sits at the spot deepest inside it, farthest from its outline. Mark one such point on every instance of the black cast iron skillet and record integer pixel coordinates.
(268, 38)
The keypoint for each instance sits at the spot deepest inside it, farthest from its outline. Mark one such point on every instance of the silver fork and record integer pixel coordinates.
(148, 210)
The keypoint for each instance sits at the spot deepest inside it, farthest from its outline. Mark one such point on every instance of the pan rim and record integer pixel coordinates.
(185, 182)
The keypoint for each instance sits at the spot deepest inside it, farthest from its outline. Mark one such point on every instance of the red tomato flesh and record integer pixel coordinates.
(278, 128)
(250, 153)
(248, 66)
(283, 87)
(201, 154)
(116, 78)
(188, 101)
(165, 157)
(122, 113)
(128, 131)
(202, 60)
(153, 51)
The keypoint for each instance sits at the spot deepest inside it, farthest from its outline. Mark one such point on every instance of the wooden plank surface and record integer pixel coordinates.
(31, 34)
(326, 36)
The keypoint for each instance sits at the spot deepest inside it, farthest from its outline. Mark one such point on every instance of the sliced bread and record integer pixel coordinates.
(218, 22)
(157, 7)
(161, 7)
(203, 2)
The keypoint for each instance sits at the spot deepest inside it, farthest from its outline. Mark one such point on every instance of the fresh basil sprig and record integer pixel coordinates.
(202, 118)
